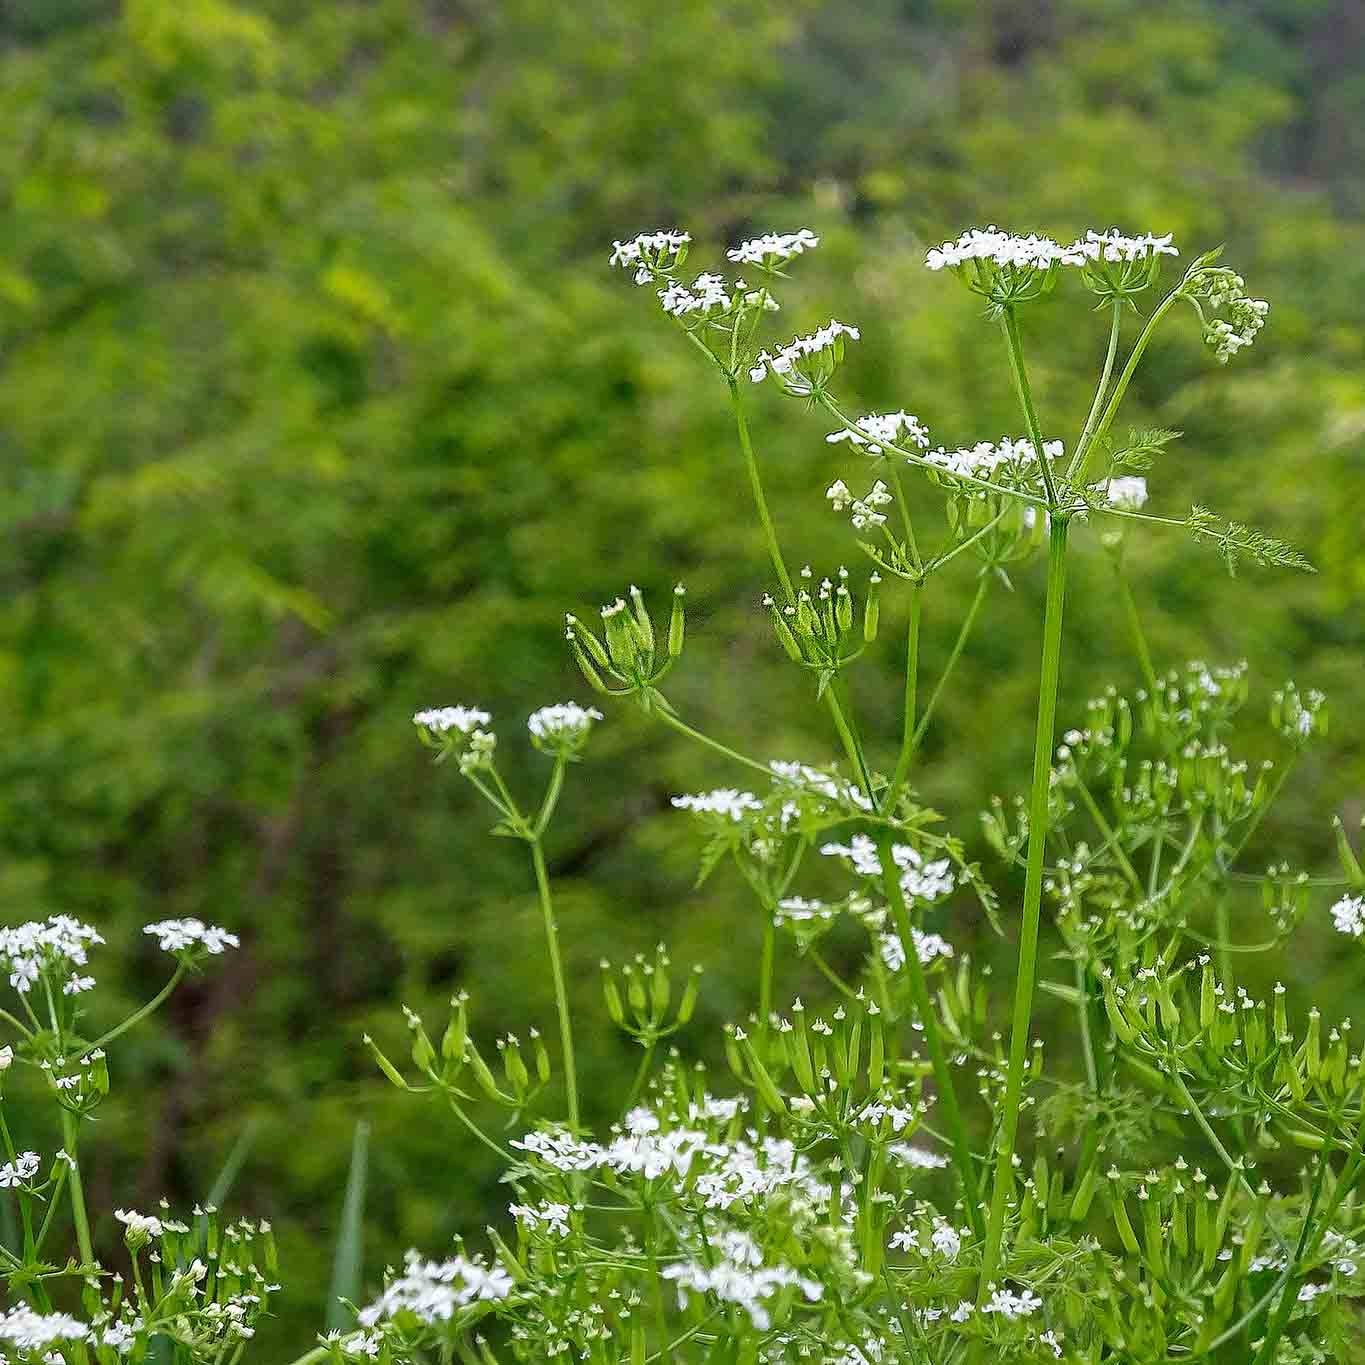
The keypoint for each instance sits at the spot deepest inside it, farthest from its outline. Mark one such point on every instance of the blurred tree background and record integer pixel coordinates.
(318, 403)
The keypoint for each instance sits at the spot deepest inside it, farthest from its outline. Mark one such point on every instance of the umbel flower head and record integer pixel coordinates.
(629, 653)
(562, 730)
(458, 731)
(805, 365)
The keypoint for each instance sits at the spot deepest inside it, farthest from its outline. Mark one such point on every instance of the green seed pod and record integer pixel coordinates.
(644, 627)
(386, 1066)
(514, 1068)
(584, 639)
(688, 1003)
(787, 640)
(1179, 1226)
(1312, 1047)
(587, 670)
(798, 1052)
(504, 1254)
(1204, 1242)
(1350, 864)
(635, 992)
(542, 1057)
(676, 624)
(615, 1010)
(1085, 1193)
(843, 608)
(423, 1054)
(660, 989)
(876, 1054)
(1152, 1240)
(732, 1056)
(1117, 1020)
(762, 1081)
(872, 611)
(484, 1076)
(1208, 999)
(1125, 1228)
(456, 1034)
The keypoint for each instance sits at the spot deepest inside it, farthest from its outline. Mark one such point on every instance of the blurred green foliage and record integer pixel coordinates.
(320, 404)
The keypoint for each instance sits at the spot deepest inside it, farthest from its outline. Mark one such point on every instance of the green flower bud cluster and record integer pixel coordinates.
(628, 653)
(639, 997)
(818, 630)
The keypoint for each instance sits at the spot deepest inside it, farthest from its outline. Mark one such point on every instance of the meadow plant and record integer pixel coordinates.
(892, 1173)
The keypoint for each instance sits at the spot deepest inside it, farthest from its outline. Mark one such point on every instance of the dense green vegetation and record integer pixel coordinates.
(319, 404)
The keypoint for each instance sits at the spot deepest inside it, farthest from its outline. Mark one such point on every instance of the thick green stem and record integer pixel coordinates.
(1033, 901)
(756, 486)
(1016, 349)
(911, 685)
(954, 655)
(78, 1214)
(557, 973)
(924, 1008)
(1088, 431)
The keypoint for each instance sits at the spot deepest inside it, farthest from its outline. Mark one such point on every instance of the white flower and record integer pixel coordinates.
(1128, 493)
(770, 250)
(1114, 247)
(141, 1226)
(882, 429)
(708, 294)
(1348, 914)
(19, 1171)
(797, 363)
(27, 1331)
(442, 719)
(986, 459)
(6, 1058)
(947, 1241)
(1012, 1306)
(182, 935)
(650, 253)
(433, 1290)
(838, 495)
(57, 945)
(562, 729)
(724, 801)
(926, 881)
(917, 1157)
(1004, 249)
(75, 985)
(741, 1280)
(927, 948)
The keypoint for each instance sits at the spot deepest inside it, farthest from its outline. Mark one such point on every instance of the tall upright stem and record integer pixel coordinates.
(938, 1057)
(1016, 349)
(756, 486)
(78, 1214)
(1033, 900)
(557, 973)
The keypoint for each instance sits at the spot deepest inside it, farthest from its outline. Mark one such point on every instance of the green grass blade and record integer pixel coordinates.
(346, 1263)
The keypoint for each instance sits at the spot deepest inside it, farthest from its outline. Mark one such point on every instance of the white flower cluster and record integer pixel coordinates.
(554, 1218)
(879, 429)
(987, 459)
(736, 1275)
(707, 294)
(1348, 914)
(808, 779)
(19, 1171)
(1008, 250)
(927, 948)
(650, 253)
(1128, 493)
(563, 727)
(793, 361)
(864, 514)
(56, 944)
(1012, 1306)
(140, 1225)
(433, 1290)
(183, 935)
(770, 250)
(442, 719)
(26, 1330)
(727, 802)
(920, 880)
(721, 1173)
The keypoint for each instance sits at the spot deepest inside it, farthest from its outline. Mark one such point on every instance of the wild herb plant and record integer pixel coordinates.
(861, 1185)
(184, 1291)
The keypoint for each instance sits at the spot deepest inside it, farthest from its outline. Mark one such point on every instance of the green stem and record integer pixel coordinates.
(906, 524)
(1016, 349)
(756, 487)
(1087, 432)
(1092, 1074)
(765, 972)
(78, 1214)
(1135, 626)
(1033, 900)
(137, 1016)
(683, 728)
(641, 1072)
(852, 748)
(474, 1129)
(1111, 839)
(908, 731)
(18, 1024)
(831, 975)
(552, 791)
(315, 1356)
(1126, 377)
(954, 655)
(557, 973)
(924, 1008)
